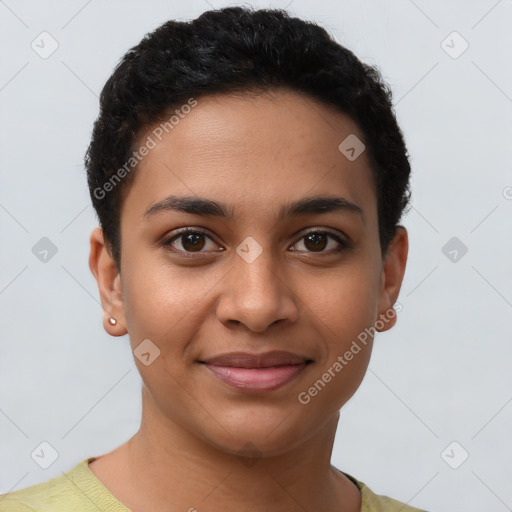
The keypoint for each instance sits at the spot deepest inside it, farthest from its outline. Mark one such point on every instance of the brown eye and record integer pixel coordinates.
(317, 241)
(191, 241)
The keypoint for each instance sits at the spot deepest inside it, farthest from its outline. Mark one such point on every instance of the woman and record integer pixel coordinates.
(249, 176)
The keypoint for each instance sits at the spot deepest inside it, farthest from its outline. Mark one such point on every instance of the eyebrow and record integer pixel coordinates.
(207, 207)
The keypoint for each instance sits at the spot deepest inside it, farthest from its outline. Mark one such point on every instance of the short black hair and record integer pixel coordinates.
(239, 50)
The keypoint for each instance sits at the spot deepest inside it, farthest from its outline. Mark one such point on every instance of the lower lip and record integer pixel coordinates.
(256, 380)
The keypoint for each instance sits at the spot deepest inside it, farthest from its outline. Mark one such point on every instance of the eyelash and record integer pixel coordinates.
(343, 244)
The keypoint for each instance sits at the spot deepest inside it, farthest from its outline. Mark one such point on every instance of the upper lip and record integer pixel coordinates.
(263, 360)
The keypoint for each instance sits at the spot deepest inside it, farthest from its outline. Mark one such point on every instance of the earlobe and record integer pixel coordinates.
(391, 279)
(104, 269)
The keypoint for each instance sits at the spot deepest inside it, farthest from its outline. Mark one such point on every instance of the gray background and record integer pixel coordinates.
(442, 374)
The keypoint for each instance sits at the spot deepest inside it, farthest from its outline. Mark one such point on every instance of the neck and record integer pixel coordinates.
(169, 468)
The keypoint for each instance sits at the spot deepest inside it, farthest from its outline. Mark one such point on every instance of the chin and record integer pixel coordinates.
(265, 435)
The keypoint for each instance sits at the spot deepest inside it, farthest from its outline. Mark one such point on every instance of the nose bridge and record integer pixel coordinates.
(258, 274)
(255, 295)
(254, 272)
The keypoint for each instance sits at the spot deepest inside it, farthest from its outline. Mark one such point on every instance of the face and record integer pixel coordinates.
(287, 259)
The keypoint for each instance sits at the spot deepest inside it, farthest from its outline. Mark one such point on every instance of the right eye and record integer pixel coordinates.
(191, 241)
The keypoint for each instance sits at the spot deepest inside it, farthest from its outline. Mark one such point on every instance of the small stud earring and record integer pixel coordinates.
(112, 321)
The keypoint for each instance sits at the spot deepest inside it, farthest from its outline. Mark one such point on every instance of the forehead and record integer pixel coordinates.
(273, 147)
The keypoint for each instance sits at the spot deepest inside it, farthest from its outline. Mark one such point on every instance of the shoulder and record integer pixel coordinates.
(371, 502)
(76, 490)
(36, 498)
(53, 495)
(9, 503)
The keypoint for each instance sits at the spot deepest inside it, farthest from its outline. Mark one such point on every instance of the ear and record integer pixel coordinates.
(393, 269)
(105, 271)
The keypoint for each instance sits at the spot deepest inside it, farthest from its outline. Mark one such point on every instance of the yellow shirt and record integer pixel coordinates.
(79, 490)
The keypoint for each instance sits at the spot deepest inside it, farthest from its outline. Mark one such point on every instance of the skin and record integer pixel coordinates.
(253, 154)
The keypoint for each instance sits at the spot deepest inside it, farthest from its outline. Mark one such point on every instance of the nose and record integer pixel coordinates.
(256, 295)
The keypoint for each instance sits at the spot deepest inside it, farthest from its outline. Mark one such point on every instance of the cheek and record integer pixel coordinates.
(163, 309)
(343, 318)
(343, 302)
(335, 383)
(160, 300)
(343, 310)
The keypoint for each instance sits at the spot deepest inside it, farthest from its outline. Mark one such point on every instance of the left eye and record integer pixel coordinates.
(315, 241)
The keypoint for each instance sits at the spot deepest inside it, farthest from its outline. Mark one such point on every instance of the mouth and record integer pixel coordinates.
(256, 373)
